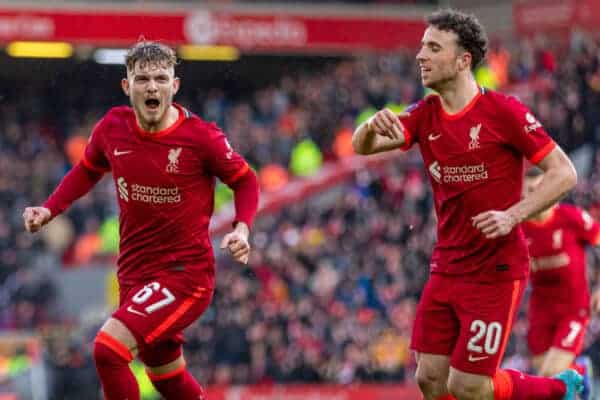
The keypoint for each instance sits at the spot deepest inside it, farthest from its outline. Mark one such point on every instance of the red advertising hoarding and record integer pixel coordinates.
(315, 392)
(252, 32)
(556, 17)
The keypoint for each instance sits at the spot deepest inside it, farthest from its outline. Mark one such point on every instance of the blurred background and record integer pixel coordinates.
(341, 247)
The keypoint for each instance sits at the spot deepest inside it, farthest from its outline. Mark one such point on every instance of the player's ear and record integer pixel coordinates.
(125, 86)
(465, 60)
(176, 84)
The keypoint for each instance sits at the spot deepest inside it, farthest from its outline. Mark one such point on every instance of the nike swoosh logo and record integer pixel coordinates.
(434, 137)
(474, 359)
(134, 311)
(120, 153)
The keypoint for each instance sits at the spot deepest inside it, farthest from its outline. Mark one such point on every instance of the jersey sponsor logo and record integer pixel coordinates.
(474, 135)
(473, 358)
(136, 312)
(148, 194)
(532, 122)
(435, 171)
(118, 153)
(557, 239)
(458, 174)
(122, 188)
(173, 165)
(433, 136)
(550, 262)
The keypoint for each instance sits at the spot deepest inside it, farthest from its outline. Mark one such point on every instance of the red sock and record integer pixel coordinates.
(510, 384)
(178, 385)
(112, 360)
(579, 368)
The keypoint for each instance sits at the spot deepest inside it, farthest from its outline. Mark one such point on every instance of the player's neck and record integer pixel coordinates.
(170, 117)
(456, 95)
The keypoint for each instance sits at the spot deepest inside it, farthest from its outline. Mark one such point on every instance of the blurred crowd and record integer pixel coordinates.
(332, 284)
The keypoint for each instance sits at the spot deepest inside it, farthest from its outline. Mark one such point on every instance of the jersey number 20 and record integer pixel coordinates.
(490, 334)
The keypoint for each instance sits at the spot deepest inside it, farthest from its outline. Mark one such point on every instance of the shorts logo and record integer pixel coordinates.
(173, 165)
(473, 358)
(474, 135)
(136, 312)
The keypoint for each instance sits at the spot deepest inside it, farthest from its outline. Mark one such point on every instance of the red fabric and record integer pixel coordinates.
(165, 186)
(182, 386)
(163, 308)
(579, 368)
(471, 157)
(114, 345)
(452, 312)
(245, 190)
(558, 263)
(78, 181)
(529, 387)
(118, 382)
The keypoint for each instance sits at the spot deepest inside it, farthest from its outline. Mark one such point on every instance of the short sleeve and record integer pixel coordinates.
(526, 133)
(219, 157)
(410, 124)
(587, 229)
(94, 157)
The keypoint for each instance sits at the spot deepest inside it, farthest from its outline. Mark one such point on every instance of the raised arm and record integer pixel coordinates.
(382, 132)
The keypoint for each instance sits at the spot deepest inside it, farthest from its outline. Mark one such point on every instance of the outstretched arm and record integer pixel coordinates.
(78, 181)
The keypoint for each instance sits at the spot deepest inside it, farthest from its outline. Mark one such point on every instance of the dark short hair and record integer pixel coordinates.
(470, 32)
(146, 52)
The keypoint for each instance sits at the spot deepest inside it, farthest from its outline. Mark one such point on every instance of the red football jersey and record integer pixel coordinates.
(558, 267)
(475, 163)
(165, 185)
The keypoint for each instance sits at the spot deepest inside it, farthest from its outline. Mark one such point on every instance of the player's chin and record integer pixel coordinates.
(426, 82)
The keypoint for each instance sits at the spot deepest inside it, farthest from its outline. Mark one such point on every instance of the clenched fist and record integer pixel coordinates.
(386, 123)
(237, 243)
(36, 217)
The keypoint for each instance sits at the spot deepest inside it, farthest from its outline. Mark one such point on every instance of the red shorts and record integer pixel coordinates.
(156, 312)
(468, 321)
(566, 333)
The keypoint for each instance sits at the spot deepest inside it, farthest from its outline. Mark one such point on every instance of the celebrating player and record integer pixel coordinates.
(559, 306)
(164, 161)
(473, 142)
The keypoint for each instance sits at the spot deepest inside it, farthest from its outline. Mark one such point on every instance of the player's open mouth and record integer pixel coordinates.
(152, 104)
